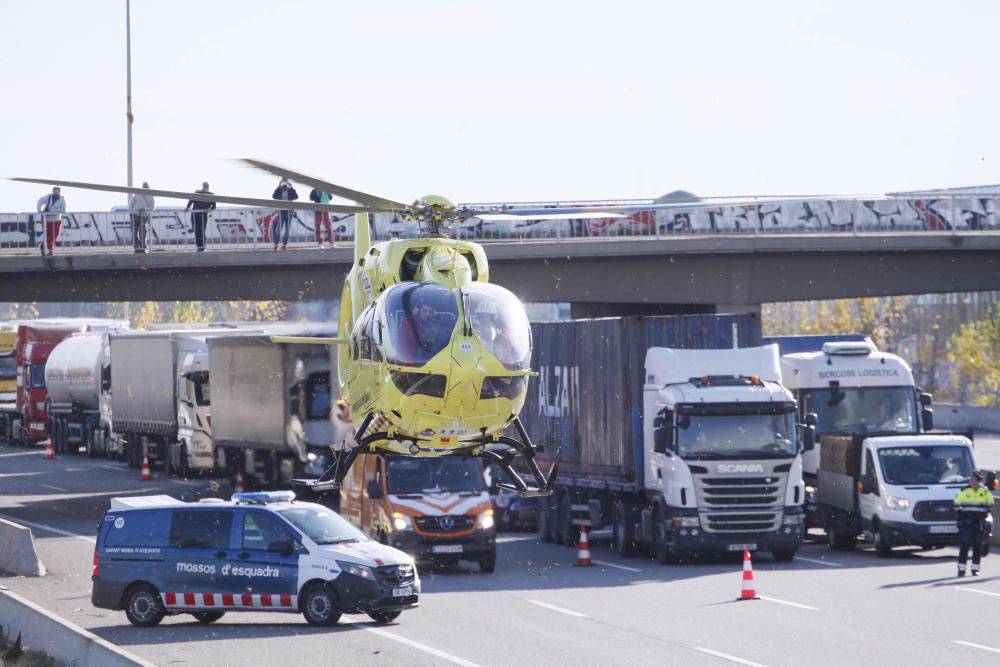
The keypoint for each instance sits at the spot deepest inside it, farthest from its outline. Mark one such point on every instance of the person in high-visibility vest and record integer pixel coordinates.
(973, 503)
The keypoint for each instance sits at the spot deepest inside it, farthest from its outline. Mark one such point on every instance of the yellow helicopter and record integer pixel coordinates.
(432, 356)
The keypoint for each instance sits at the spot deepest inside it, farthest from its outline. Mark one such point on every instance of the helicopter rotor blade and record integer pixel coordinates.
(195, 196)
(372, 201)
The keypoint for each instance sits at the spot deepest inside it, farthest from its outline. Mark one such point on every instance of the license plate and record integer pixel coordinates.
(944, 529)
(403, 592)
(447, 549)
(741, 547)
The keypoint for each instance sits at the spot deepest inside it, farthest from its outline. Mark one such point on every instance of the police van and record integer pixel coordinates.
(158, 556)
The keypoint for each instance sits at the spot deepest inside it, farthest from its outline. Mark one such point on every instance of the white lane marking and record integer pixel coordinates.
(54, 488)
(620, 567)
(51, 529)
(790, 604)
(979, 646)
(417, 645)
(828, 563)
(973, 590)
(111, 467)
(730, 658)
(31, 453)
(559, 609)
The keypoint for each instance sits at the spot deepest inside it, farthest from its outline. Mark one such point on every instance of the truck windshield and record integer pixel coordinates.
(38, 376)
(862, 409)
(323, 526)
(736, 436)
(318, 392)
(933, 464)
(408, 475)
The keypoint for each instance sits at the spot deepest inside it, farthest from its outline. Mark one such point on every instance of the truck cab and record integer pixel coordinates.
(437, 509)
(895, 490)
(193, 450)
(725, 470)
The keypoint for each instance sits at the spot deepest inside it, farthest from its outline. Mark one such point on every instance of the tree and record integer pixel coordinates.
(975, 353)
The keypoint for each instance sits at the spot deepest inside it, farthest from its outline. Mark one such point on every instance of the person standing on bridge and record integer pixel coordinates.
(284, 192)
(973, 503)
(322, 216)
(199, 217)
(51, 206)
(140, 208)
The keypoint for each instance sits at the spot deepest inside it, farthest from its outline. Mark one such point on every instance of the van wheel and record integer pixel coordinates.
(320, 606)
(207, 617)
(383, 617)
(488, 565)
(840, 541)
(783, 555)
(143, 606)
(882, 546)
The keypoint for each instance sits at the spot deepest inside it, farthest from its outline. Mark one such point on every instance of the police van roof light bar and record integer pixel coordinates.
(264, 497)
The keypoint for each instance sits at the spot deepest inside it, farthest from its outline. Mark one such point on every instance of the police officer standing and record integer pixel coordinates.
(973, 503)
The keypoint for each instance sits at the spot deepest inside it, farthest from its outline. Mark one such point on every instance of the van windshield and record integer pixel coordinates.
(322, 525)
(862, 409)
(408, 475)
(934, 464)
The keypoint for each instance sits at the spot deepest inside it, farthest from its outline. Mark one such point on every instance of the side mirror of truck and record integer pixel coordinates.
(663, 439)
(927, 417)
(926, 399)
(808, 437)
(374, 490)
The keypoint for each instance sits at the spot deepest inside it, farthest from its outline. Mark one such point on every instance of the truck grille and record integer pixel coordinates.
(395, 575)
(934, 510)
(449, 523)
(740, 504)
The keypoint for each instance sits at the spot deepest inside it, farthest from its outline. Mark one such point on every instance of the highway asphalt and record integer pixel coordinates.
(824, 608)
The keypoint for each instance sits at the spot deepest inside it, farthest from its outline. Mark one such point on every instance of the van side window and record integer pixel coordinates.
(260, 530)
(204, 529)
(138, 529)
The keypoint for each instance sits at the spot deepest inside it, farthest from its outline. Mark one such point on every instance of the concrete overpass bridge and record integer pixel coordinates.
(600, 276)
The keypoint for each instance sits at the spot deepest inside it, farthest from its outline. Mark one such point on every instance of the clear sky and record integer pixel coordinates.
(503, 101)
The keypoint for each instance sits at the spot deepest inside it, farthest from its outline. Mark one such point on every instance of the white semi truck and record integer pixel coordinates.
(697, 450)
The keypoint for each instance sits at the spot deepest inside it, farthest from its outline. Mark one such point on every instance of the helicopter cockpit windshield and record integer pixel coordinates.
(499, 320)
(421, 318)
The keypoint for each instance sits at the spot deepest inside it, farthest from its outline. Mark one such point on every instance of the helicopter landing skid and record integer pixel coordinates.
(527, 451)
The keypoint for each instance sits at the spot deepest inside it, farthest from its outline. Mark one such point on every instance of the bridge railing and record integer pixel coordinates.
(252, 228)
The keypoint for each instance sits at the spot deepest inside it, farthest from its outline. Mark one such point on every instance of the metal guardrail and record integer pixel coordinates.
(251, 228)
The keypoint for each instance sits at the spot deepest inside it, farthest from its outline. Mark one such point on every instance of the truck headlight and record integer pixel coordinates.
(401, 522)
(686, 522)
(793, 519)
(485, 520)
(362, 571)
(894, 503)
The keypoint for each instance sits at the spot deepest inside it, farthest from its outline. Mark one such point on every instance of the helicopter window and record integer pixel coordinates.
(499, 321)
(376, 337)
(420, 320)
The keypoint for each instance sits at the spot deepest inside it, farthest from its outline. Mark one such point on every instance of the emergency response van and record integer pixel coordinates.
(158, 556)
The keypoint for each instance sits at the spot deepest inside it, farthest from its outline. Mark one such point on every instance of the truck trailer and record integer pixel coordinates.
(606, 387)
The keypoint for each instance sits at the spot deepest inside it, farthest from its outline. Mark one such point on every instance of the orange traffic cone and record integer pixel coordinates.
(49, 453)
(748, 591)
(238, 482)
(146, 475)
(583, 552)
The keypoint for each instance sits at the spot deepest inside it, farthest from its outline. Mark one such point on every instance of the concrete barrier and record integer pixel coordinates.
(17, 551)
(41, 630)
(948, 416)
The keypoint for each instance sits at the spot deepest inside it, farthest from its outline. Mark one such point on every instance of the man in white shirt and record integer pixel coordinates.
(140, 208)
(51, 206)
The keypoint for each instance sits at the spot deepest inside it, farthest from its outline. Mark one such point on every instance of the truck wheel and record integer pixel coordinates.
(661, 550)
(89, 434)
(566, 532)
(839, 541)
(143, 606)
(783, 555)
(622, 533)
(183, 469)
(320, 606)
(545, 533)
(882, 547)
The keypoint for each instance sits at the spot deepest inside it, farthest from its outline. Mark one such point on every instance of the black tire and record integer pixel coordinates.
(90, 435)
(143, 606)
(566, 532)
(839, 541)
(783, 555)
(183, 469)
(882, 547)
(320, 606)
(621, 532)
(383, 617)
(206, 617)
(488, 565)
(661, 550)
(545, 533)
